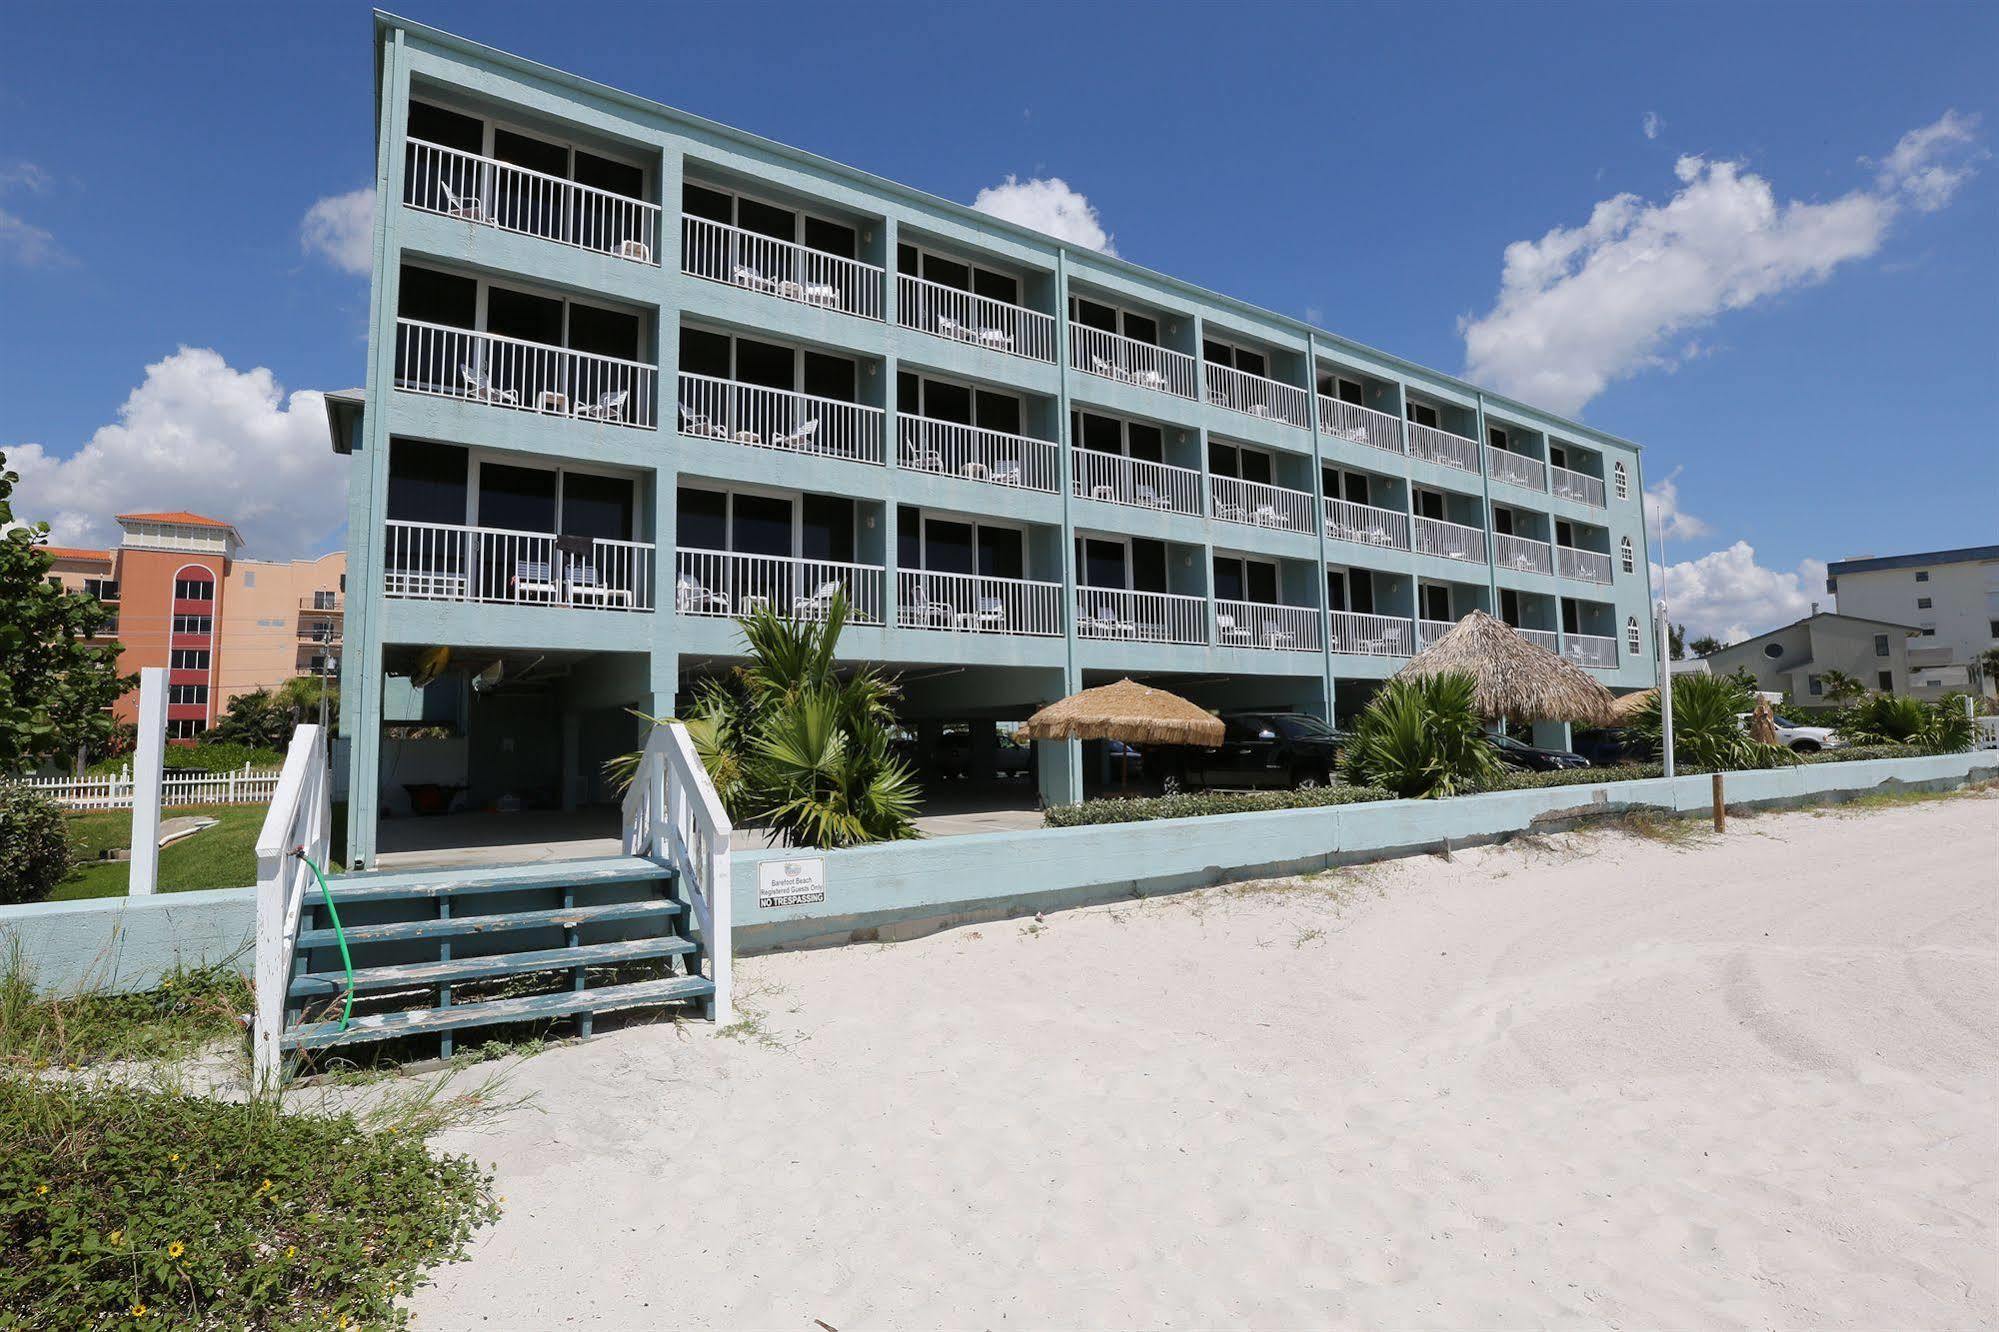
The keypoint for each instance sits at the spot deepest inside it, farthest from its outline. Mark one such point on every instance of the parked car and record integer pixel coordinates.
(1799, 737)
(1273, 749)
(954, 757)
(1611, 745)
(1532, 758)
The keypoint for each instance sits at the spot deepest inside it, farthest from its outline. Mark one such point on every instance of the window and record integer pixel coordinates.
(1993, 626)
(104, 589)
(1625, 553)
(198, 625)
(1343, 389)
(1422, 413)
(1773, 650)
(956, 274)
(185, 728)
(194, 589)
(1632, 642)
(1815, 685)
(1620, 480)
(249, 578)
(1922, 575)
(779, 222)
(1250, 362)
(1110, 319)
(188, 659)
(191, 695)
(1886, 679)
(1929, 631)
(323, 600)
(1880, 645)
(1922, 603)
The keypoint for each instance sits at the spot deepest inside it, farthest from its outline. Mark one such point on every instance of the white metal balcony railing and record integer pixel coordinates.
(722, 582)
(949, 449)
(1429, 631)
(1546, 638)
(767, 418)
(1240, 391)
(1441, 446)
(930, 307)
(1147, 617)
(1568, 485)
(1258, 505)
(1516, 469)
(1370, 635)
(793, 272)
(1522, 554)
(440, 562)
(1359, 425)
(1130, 361)
(1590, 650)
(1588, 566)
(1266, 625)
(471, 188)
(975, 603)
(1453, 541)
(524, 376)
(1116, 479)
(1366, 524)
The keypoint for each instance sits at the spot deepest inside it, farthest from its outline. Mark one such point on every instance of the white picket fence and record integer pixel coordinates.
(245, 786)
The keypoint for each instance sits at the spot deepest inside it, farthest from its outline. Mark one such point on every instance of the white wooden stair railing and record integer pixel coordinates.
(300, 820)
(673, 814)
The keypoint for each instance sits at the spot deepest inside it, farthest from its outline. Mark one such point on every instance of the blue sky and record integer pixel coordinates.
(1800, 327)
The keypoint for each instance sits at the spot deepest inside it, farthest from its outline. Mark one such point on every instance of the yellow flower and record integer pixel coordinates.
(291, 1250)
(41, 1189)
(173, 1156)
(138, 1311)
(117, 1235)
(176, 1249)
(340, 1321)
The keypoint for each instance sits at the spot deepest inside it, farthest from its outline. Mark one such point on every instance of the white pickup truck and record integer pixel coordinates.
(1799, 737)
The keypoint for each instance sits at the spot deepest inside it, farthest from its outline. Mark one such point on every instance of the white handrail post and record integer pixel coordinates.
(302, 790)
(143, 877)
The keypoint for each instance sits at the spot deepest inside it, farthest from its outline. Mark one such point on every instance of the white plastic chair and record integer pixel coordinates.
(1228, 630)
(801, 438)
(471, 209)
(608, 407)
(819, 603)
(482, 387)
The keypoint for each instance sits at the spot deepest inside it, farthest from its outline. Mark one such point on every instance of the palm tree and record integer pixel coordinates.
(1422, 738)
(1841, 687)
(790, 741)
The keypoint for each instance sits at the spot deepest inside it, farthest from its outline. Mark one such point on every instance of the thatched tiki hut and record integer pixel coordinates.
(1515, 680)
(1134, 713)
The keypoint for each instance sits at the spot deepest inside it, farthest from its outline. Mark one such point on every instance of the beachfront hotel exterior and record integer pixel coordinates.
(632, 373)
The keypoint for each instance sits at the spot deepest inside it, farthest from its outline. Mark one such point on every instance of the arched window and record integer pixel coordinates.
(1632, 641)
(1624, 550)
(1622, 481)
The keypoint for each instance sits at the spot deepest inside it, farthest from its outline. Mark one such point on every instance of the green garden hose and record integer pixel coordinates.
(333, 913)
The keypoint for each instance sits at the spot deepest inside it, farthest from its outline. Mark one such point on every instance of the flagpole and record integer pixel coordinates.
(1665, 632)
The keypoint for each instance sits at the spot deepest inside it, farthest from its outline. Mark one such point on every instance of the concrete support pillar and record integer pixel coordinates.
(572, 775)
(1058, 768)
(984, 753)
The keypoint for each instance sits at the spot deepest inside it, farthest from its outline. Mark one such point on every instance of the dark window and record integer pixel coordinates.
(194, 589)
(1436, 603)
(1262, 582)
(1509, 606)
(908, 260)
(1224, 459)
(550, 159)
(1815, 685)
(1256, 467)
(947, 272)
(1421, 413)
(613, 177)
(763, 525)
(1922, 603)
(1352, 393)
(1000, 553)
(604, 332)
(1496, 437)
(1102, 564)
(1887, 681)
(765, 220)
(1880, 645)
(830, 237)
(1141, 328)
(947, 402)
(437, 298)
(829, 528)
(1923, 575)
(763, 363)
(1146, 442)
(704, 353)
(1148, 566)
(516, 499)
(830, 376)
(434, 124)
(1336, 590)
(1360, 592)
(1993, 628)
(426, 482)
(948, 547)
(1102, 433)
(597, 506)
(908, 393)
(1773, 650)
(700, 201)
(908, 538)
(999, 412)
(1092, 315)
(996, 286)
(1228, 578)
(701, 520)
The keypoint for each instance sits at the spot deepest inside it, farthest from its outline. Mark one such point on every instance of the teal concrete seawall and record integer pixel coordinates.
(906, 889)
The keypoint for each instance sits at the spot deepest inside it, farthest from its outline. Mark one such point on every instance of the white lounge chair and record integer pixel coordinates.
(586, 584)
(745, 276)
(922, 460)
(1276, 635)
(823, 294)
(816, 606)
(1266, 515)
(469, 209)
(1104, 623)
(1006, 472)
(997, 338)
(1099, 366)
(986, 613)
(1146, 496)
(608, 407)
(1231, 512)
(633, 249)
(699, 424)
(690, 598)
(801, 439)
(533, 580)
(1228, 630)
(482, 387)
(920, 612)
(1150, 379)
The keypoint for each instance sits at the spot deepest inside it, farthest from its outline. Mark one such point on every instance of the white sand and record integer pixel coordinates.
(1607, 1081)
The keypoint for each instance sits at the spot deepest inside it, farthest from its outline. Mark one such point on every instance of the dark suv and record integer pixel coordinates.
(1257, 749)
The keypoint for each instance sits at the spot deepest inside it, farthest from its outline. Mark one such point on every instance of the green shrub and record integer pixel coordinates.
(1708, 734)
(1936, 728)
(1618, 772)
(1855, 753)
(127, 1207)
(188, 1011)
(1195, 804)
(35, 854)
(217, 757)
(1422, 739)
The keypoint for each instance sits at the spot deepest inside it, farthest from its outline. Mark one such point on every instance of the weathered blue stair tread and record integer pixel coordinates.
(498, 923)
(392, 884)
(410, 975)
(531, 1008)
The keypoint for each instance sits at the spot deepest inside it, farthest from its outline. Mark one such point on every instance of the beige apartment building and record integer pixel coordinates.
(1951, 597)
(281, 618)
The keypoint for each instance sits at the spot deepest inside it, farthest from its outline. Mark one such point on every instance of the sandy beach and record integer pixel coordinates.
(1605, 1079)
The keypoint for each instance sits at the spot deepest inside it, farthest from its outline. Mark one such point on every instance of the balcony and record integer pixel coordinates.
(1515, 469)
(1590, 650)
(1267, 625)
(457, 184)
(725, 583)
(1239, 391)
(1359, 425)
(1116, 479)
(1546, 638)
(1147, 617)
(1586, 566)
(1453, 541)
(946, 448)
(1522, 554)
(318, 631)
(767, 418)
(1257, 505)
(976, 604)
(946, 312)
(1429, 631)
(1370, 635)
(1442, 447)
(523, 376)
(1564, 484)
(1129, 361)
(1366, 524)
(437, 562)
(323, 603)
(789, 271)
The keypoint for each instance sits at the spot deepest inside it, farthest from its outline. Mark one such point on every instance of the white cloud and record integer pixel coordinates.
(1586, 305)
(1664, 514)
(1047, 205)
(197, 435)
(341, 229)
(26, 244)
(1652, 124)
(28, 176)
(1728, 594)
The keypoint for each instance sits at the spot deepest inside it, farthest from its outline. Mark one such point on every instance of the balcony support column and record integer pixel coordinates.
(1491, 528)
(1059, 765)
(1318, 492)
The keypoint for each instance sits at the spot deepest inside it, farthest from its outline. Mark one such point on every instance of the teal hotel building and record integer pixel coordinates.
(632, 373)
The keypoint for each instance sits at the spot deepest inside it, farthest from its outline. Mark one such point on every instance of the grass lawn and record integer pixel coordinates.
(224, 856)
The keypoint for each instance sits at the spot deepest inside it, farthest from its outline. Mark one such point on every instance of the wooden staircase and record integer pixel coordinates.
(532, 943)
